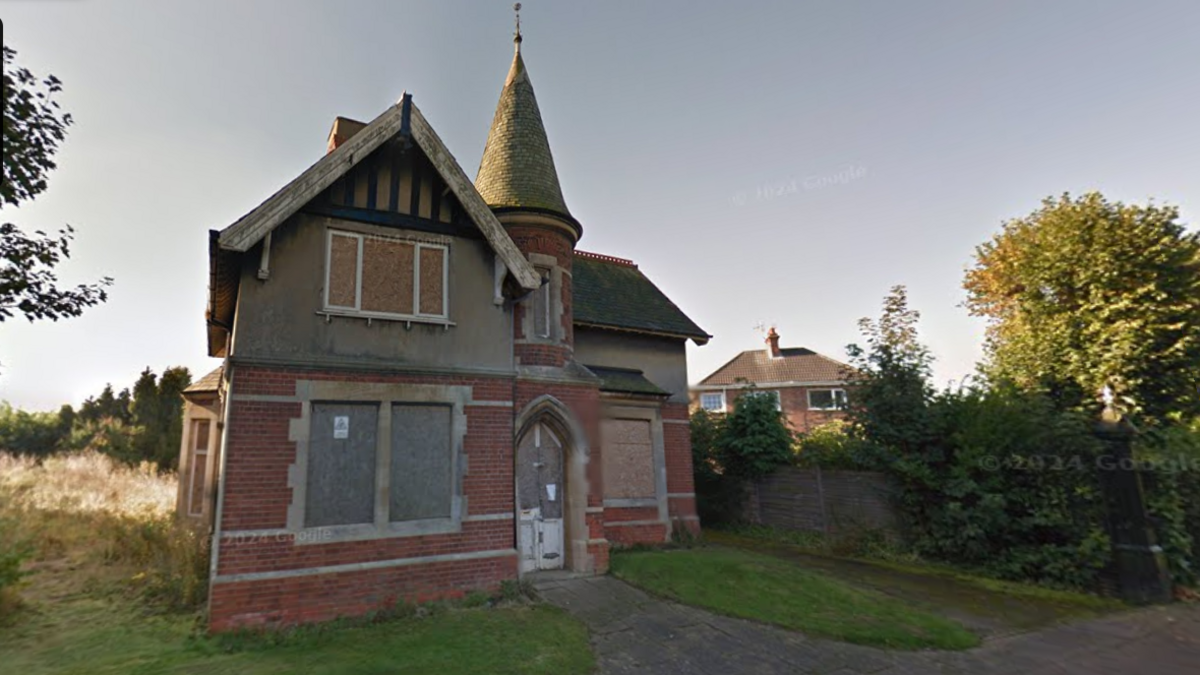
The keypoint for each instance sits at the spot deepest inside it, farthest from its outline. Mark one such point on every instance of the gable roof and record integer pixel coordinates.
(402, 118)
(613, 293)
(517, 168)
(209, 383)
(794, 365)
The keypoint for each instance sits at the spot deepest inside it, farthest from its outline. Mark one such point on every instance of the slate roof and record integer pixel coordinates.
(794, 365)
(613, 293)
(517, 169)
(626, 381)
(210, 382)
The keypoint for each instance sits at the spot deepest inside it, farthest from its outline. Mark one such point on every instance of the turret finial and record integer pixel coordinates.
(517, 36)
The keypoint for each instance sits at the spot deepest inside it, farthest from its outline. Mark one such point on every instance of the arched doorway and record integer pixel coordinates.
(540, 497)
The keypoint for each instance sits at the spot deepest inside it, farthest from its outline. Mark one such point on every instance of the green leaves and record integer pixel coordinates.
(34, 126)
(1085, 293)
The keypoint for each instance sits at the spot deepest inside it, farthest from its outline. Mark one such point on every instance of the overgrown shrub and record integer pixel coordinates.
(15, 548)
(1170, 460)
(112, 523)
(834, 445)
(988, 476)
(731, 450)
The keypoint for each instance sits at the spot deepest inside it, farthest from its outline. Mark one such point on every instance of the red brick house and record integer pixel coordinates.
(810, 388)
(427, 389)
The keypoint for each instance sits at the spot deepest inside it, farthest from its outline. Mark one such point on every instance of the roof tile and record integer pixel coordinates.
(794, 364)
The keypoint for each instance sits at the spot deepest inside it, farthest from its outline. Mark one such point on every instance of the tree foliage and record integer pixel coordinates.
(891, 379)
(143, 426)
(755, 439)
(994, 478)
(728, 450)
(34, 126)
(1084, 293)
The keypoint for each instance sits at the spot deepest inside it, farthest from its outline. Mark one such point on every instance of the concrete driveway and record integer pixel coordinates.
(633, 632)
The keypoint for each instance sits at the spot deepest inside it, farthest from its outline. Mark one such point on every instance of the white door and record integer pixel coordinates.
(540, 500)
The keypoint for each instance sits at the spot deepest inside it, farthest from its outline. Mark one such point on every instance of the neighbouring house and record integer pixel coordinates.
(808, 387)
(426, 388)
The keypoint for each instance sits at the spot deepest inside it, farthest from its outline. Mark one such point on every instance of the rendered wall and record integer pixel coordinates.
(277, 319)
(662, 360)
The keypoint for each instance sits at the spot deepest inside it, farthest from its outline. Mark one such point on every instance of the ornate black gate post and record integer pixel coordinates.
(1140, 563)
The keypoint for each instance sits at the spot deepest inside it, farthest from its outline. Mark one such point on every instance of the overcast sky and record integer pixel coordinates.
(777, 163)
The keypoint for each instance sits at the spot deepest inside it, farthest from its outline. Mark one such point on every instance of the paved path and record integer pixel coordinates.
(635, 633)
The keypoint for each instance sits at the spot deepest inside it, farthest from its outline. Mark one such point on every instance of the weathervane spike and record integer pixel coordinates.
(517, 37)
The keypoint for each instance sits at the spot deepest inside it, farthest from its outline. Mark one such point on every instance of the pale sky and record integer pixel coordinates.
(783, 163)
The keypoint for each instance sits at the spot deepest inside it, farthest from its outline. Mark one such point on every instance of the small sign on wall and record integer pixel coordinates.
(341, 426)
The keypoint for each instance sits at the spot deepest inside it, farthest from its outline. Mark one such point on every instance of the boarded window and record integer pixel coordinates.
(343, 270)
(387, 284)
(628, 459)
(433, 261)
(341, 464)
(386, 276)
(200, 431)
(422, 483)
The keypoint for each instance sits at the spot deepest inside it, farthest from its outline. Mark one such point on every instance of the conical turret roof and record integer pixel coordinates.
(517, 169)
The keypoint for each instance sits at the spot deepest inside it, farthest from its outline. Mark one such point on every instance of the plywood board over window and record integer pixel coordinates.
(433, 280)
(387, 278)
(387, 275)
(340, 486)
(343, 270)
(628, 459)
(421, 473)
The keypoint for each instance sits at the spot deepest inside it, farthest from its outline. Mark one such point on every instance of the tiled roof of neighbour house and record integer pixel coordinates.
(626, 381)
(795, 364)
(613, 293)
(517, 169)
(210, 382)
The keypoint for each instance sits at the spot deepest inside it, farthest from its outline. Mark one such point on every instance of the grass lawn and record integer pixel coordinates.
(98, 635)
(764, 588)
(105, 571)
(987, 605)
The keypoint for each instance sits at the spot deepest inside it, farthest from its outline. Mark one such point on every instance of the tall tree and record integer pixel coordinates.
(1086, 293)
(891, 376)
(34, 126)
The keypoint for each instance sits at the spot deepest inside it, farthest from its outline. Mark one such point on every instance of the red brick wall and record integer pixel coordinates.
(256, 497)
(677, 442)
(321, 597)
(552, 242)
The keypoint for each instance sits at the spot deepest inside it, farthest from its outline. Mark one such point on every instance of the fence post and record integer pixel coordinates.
(1140, 563)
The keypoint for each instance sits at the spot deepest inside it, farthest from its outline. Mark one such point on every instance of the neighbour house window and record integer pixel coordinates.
(199, 468)
(714, 402)
(386, 277)
(342, 486)
(826, 399)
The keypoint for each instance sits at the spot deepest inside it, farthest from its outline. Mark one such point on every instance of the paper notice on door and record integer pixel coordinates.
(551, 489)
(341, 426)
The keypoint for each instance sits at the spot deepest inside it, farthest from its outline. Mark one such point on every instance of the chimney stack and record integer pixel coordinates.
(773, 343)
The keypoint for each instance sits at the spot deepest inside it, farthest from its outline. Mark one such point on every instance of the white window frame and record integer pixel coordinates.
(357, 310)
(719, 394)
(834, 391)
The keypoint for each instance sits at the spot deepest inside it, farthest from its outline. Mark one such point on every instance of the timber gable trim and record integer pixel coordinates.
(403, 118)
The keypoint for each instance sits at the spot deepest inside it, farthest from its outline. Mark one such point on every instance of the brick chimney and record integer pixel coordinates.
(773, 343)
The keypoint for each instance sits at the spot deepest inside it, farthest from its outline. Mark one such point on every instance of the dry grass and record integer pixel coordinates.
(87, 481)
(94, 525)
